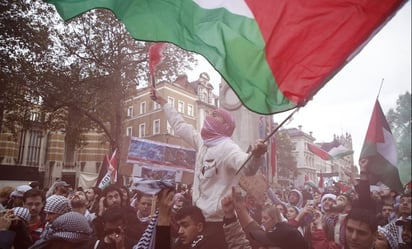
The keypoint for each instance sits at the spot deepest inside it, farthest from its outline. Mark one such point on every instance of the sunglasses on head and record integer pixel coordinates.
(113, 230)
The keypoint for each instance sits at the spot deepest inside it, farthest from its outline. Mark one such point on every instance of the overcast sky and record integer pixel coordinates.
(345, 103)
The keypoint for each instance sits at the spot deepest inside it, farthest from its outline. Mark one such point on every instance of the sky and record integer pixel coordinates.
(346, 102)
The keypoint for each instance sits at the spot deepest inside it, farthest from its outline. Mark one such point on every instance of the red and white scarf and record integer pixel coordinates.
(214, 131)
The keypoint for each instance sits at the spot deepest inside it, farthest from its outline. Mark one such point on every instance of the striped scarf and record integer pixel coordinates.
(214, 131)
(147, 241)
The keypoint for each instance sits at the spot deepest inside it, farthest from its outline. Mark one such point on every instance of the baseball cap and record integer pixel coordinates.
(20, 190)
(61, 184)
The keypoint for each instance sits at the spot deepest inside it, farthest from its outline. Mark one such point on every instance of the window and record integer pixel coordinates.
(169, 129)
(156, 126)
(34, 116)
(142, 132)
(181, 106)
(31, 153)
(129, 131)
(143, 107)
(204, 96)
(171, 101)
(130, 111)
(156, 106)
(190, 110)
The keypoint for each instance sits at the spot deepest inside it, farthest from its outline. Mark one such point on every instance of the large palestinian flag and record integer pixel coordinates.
(379, 147)
(274, 54)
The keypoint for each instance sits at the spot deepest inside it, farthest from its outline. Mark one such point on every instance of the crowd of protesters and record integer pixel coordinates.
(119, 217)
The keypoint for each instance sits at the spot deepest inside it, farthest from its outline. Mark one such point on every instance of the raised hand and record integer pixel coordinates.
(228, 207)
(156, 97)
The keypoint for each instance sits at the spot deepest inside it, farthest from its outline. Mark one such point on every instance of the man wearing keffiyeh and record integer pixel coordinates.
(218, 159)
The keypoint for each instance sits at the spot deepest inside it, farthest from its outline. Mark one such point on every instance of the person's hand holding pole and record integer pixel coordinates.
(157, 98)
(259, 148)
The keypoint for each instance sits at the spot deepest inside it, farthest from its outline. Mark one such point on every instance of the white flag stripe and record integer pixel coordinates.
(388, 148)
(238, 7)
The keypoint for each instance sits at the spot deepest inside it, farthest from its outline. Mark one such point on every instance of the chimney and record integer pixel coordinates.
(300, 127)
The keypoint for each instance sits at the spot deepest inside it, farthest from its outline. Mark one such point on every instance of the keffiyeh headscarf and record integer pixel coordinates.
(72, 227)
(390, 236)
(213, 131)
(22, 213)
(57, 204)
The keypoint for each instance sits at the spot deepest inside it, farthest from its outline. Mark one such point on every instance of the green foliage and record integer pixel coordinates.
(399, 120)
(24, 42)
(80, 70)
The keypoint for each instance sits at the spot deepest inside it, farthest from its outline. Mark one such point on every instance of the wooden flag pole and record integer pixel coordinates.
(267, 138)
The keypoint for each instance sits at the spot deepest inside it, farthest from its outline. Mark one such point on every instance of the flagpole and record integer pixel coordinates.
(380, 88)
(267, 138)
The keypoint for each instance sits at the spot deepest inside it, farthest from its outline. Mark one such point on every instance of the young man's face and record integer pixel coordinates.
(386, 210)
(293, 198)
(78, 199)
(34, 204)
(90, 194)
(267, 221)
(188, 230)
(113, 230)
(145, 205)
(340, 204)
(405, 205)
(327, 204)
(291, 213)
(359, 235)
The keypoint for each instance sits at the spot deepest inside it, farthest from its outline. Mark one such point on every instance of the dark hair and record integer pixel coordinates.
(141, 194)
(408, 194)
(112, 188)
(114, 214)
(193, 212)
(348, 196)
(34, 193)
(126, 202)
(97, 191)
(364, 215)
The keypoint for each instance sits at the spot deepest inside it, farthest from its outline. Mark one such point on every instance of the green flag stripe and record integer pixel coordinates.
(232, 43)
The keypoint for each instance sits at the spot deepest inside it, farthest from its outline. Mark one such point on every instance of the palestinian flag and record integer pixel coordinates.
(319, 152)
(379, 147)
(275, 55)
(334, 153)
(110, 166)
(339, 152)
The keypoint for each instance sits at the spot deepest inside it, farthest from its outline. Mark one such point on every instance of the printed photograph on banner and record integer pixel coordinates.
(180, 157)
(145, 150)
(155, 173)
